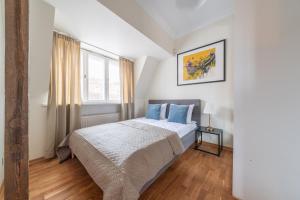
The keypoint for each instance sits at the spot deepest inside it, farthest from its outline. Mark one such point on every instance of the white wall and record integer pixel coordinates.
(164, 83)
(139, 100)
(41, 19)
(2, 60)
(267, 96)
(144, 70)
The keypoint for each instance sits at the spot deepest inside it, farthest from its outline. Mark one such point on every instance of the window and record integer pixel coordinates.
(100, 78)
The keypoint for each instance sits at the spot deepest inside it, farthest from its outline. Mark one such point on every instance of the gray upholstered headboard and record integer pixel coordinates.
(196, 116)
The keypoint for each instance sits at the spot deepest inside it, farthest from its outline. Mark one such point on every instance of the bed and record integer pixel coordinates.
(125, 158)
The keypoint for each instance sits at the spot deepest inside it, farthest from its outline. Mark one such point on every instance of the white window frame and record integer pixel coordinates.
(84, 79)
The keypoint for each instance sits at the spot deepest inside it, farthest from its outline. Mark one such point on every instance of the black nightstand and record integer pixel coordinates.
(199, 132)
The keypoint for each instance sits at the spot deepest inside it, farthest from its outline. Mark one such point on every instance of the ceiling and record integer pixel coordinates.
(91, 22)
(180, 17)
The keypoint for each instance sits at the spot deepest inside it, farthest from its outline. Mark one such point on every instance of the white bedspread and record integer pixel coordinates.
(121, 157)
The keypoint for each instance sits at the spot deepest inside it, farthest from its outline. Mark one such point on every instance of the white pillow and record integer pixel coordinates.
(163, 110)
(189, 114)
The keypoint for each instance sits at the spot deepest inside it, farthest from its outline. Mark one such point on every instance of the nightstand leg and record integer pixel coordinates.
(222, 141)
(219, 146)
(196, 138)
(201, 138)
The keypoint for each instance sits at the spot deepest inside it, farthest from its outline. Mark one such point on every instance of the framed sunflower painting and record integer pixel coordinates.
(204, 64)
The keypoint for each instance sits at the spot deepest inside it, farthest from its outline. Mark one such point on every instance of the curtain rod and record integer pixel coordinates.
(66, 34)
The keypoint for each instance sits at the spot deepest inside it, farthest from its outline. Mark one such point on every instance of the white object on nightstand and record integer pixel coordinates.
(210, 110)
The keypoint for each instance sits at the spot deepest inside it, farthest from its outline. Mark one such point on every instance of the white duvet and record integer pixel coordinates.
(180, 129)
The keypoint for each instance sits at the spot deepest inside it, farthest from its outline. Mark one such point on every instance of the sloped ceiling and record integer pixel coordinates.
(91, 22)
(180, 17)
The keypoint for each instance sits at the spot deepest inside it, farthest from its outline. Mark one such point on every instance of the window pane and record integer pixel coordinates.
(114, 80)
(96, 78)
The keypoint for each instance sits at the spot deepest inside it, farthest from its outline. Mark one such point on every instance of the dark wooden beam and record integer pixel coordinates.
(16, 100)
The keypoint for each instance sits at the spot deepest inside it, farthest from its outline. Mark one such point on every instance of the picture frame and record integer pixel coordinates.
(205, 64)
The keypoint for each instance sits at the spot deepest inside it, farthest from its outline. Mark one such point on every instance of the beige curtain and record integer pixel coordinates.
(64, 91)
(127, 89)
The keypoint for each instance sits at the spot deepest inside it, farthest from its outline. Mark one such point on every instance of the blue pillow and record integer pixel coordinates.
(178, 113)
(153, 111)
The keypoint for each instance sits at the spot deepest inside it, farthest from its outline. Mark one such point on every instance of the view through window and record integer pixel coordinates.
(100, 77)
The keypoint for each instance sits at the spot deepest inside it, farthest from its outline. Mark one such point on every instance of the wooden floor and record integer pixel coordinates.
(195, 175)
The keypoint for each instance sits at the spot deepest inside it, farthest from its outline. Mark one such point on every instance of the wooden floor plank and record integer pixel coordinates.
(195, 175)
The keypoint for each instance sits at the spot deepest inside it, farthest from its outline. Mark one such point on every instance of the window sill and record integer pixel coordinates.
(91, 103)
